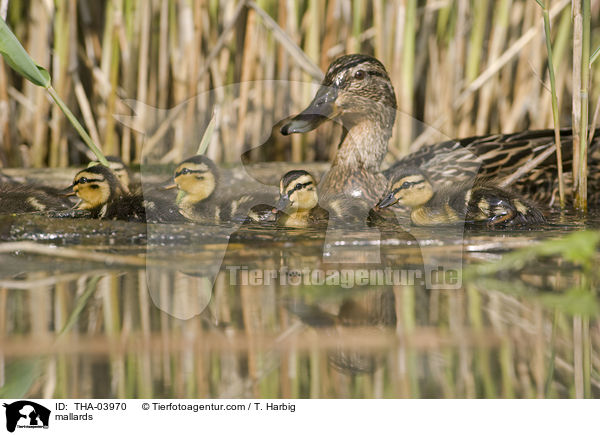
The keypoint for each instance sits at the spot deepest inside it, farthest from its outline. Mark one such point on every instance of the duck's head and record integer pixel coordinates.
(409, 187)
(356, 87)
(197, 177)
(120, 169)
(94, 186)
(297, 192)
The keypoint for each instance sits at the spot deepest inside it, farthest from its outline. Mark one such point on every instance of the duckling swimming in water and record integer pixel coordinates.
(473, 203)
(123, 174)
(101, 193)
(298, 205)
(199, 200)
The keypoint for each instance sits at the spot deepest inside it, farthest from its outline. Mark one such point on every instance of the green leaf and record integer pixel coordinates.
(595, 56)
(208, 134)
(20, 375)
(15, 55)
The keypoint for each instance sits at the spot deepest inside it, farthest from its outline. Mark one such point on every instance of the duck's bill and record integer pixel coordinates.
(320, 110)
(302, 123)
(283, 203)
(169, 186)
(387, 201)
(68, 191)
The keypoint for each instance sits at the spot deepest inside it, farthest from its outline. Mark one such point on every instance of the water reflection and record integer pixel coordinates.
(165, 324)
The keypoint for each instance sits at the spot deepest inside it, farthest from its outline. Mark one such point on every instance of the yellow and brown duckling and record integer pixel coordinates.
(298, 205)
(357, 92)
(200, 199)
(101, 194)
(197, 179)
(123, 173)
(477, 202)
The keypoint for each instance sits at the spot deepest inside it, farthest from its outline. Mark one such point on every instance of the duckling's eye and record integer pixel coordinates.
(185, 171)
(359, 75)
(82, 180)
(405, 185)
(298, 186)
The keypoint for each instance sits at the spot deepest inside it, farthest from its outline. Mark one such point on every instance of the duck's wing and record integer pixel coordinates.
(526, 160)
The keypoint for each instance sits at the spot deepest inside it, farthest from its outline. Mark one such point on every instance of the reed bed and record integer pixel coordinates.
(459, 68)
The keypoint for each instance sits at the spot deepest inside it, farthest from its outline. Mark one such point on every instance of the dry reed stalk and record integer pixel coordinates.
(378, 24)
(489, 91)
(5, 117)
(408, 78)
(60, 65)
(473, 59)
(39, 25)
(576, 84)
(555, 108)
(248, 59)
(580, 176)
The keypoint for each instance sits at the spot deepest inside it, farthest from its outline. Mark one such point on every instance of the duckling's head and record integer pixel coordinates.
(356, 87)
(409, 187)
(197, 177)
(297, 192)
(120, 169)
(95, 186)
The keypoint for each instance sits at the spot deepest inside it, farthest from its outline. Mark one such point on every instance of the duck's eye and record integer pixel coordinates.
(185, 171)
(359, 75)
(82, 180)
(298, 186)
(405, 185)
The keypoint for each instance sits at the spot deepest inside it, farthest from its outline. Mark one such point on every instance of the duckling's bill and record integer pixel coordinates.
(387, 201)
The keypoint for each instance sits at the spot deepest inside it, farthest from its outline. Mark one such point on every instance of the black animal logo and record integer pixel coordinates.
(31, 413)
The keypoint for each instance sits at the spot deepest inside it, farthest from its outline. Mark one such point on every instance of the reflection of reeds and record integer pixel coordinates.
(461, 343)
(456, 67)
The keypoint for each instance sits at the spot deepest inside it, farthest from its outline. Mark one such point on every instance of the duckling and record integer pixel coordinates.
(121, 170)
(298, 205)
(357, 92)
(22, 198)
(197, 178)
(102, 194)
(199, 199)
(472, 203)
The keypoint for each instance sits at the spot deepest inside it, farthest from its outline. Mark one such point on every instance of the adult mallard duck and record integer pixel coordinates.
(475, 202)
(357, 92)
